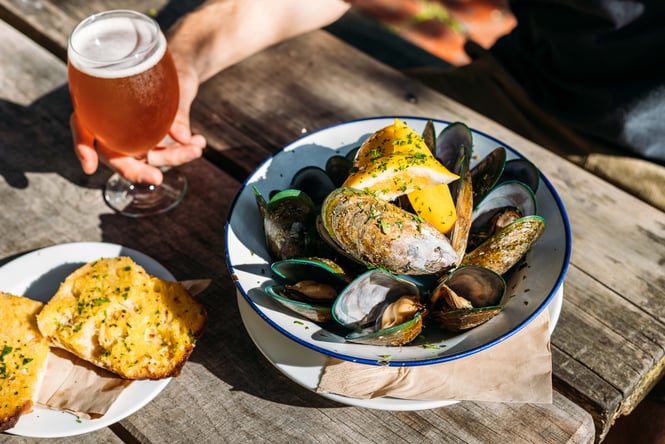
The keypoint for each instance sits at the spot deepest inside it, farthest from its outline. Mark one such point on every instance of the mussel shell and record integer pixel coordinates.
(505, 248)
(338, 169)
(319, 269)
(460, 320)
(429, 136)
(512, 195)
(394, 336)
(523, 171)
(486, 173)
(362, 302)
(313, 312)
(380, 234)
(288, 223)
(451, 142)
(483, 288)
(363, 299)
(313, 181)
(480, 286)
(463, 194)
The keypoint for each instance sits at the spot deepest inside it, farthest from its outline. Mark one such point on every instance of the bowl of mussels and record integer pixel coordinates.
(398, 241)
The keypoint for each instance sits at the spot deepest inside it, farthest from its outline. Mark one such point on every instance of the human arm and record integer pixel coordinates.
(211, 38)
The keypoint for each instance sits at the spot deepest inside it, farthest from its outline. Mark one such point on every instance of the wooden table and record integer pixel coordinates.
(607, 347)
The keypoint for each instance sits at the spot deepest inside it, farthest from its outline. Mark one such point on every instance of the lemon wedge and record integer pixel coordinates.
(435, 205)
(394, 161)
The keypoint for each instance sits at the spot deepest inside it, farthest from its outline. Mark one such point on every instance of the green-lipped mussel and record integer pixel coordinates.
(307, 286)
(495, 228)
(381, 309)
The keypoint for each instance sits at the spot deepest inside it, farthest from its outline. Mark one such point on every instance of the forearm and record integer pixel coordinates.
(223, 32)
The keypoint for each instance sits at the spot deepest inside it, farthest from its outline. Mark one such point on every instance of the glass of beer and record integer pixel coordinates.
(124, 89)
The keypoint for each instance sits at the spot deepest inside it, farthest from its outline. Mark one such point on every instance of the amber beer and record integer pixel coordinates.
(122, 80)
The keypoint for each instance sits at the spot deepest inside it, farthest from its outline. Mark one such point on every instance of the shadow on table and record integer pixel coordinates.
(37, 139)
(225, 349)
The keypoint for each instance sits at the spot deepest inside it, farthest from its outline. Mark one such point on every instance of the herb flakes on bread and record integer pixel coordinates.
(23, 353)
(115, 315)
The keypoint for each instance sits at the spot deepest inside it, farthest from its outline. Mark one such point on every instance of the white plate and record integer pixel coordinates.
(303, 365)
(37, 275)
(532, 287)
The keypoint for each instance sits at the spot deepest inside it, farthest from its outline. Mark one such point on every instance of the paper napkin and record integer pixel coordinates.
(518, 369)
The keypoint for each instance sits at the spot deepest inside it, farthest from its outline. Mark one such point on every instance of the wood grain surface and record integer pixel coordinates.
(607, 347)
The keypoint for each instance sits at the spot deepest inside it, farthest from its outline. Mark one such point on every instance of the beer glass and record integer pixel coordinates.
(124, 89)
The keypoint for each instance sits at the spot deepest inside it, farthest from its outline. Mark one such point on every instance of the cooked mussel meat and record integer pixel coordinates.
(381, 309)
(504, 204)
(307, 286)
(466, 298)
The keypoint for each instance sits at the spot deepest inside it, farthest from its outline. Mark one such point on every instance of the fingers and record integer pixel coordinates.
(177, 154)
(135, 170)
(84, 145)
(184, 147)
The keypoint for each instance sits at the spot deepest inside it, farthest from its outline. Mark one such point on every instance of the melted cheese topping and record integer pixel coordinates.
(23, 352)
(113, 314)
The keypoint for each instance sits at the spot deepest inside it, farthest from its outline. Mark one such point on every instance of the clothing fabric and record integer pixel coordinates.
(595, 64)
(583, 79)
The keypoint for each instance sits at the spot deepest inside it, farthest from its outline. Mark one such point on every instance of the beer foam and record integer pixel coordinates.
(116, 47)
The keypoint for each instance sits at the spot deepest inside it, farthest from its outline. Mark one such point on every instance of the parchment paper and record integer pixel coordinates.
(74, 385)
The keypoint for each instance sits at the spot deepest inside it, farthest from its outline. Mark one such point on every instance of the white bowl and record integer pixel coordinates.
(532, 288)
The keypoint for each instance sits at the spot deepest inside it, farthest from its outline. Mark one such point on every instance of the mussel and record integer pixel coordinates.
(313, 181)
(288, 223)
(505, 203)
(467, 297)
(501, 251)
(380, 234)
(381, 309)
(308, 286)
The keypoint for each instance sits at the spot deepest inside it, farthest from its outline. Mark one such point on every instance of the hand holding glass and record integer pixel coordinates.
(124, 89)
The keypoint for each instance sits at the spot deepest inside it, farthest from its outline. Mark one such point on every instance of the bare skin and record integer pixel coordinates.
(215, 36)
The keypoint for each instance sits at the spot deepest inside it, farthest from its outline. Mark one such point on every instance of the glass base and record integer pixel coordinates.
(140, 200)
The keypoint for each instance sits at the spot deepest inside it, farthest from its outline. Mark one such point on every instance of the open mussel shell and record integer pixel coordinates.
(521, 170)
(507, 194)
(288, 223)
(486, 173)
(338, 168)
(319, 269)
(467, 297)
(501, 251)
(451, 144)
(308, 286)
(380, 308)
(312, 311)
(382, 235)
(313, 181)
(504, 204)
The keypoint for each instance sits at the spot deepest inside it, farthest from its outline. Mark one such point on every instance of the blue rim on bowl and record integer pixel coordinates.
(249, 263)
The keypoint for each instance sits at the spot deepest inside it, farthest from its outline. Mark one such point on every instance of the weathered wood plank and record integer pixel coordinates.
(103, 436)
(227, 391)
(603, 234)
